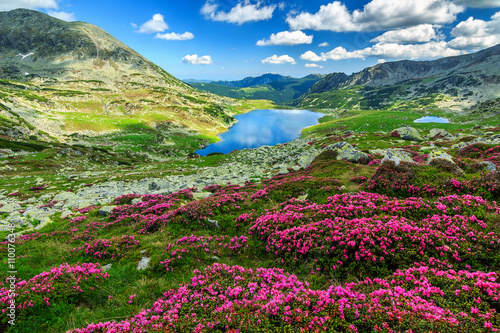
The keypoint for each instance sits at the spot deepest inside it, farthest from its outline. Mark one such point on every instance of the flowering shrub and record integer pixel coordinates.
(234, 299)
(114, 248)
(188, 249)
(125, 199)
(340, 236)
(66, 283)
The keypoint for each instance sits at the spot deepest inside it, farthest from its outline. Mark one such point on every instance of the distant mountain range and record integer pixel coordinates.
(472, 77)
(274, 87)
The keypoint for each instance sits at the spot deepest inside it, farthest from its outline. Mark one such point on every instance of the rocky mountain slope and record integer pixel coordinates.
(63, 78)
(474, 76)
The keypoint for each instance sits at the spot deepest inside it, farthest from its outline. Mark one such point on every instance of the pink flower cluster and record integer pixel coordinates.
(114, 248)
(65, 281)
(234, 299)
(200, 248)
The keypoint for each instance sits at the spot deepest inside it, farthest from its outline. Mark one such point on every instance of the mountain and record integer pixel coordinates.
(274, 87)
(475, 76)
(73, 77)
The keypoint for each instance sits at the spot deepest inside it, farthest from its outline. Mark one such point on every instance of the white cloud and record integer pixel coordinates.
(175, 36)
(28, 4)
(377, 15)
(65, 16)
(156, 24)
(195, 60)
(134, 25)
(239, 14)
(475, 34)
(479, 3)
(287, 38)
(275, 60)
(381, 61)
(313, 66)
(418, 34)
(429, 50)
(325, 44)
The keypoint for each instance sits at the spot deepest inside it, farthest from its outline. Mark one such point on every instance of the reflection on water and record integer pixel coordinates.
(262, 127)
(431, 119)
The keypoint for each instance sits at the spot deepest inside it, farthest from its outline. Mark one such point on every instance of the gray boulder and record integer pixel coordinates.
(397, 156)
(106, 210)
(409, 133)
(439, 133)
(347, 152)
(439, 154)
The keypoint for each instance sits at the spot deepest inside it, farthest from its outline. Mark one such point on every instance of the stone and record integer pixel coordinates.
(439, 154)
(347, 152)
(143, 263)
(397, 156)
(106, 210)
(153, 186)
(489, 166)
(215, 223)
(439, 133)
(135, 201)
(409, 133)
(106, 268)
(201, 195)
(9, 208)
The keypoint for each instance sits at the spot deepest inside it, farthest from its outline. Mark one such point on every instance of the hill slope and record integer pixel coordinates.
(475, 76)
(62, 78)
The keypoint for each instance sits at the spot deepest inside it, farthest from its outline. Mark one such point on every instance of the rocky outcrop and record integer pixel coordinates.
(348, 153)
(440, 134)
(408, 133)
(397, 156)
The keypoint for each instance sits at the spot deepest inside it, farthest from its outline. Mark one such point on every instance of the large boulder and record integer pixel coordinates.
(439, 133)
(408, 133)
(348, 153)
(397, 156)
(439, 154)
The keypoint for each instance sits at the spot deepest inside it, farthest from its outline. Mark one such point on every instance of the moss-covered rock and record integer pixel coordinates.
(439, 154)
(408, 133)
(397, 156)
(348, 153)
(439, 133)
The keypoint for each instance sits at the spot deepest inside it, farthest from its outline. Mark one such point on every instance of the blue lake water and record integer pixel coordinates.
(431, 119)
(262, 127)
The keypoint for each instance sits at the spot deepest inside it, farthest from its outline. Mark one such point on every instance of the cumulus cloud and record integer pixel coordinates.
(195, 60)
(429, 50)
(377, 15)
(474, 34)
(479, 3)
(241, 13)
(287, 38)
(275, 60)
(175, 36)
(29, 4)
(155, 24)
(325, 44)
(313, 66)
(418, 34)
(65, 16)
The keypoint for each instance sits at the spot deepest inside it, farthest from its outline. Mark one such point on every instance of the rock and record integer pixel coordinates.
(9, 208)
(143, 264)
(489, 166)
(201, 195)
(409, 133)
(106, 210)
(215, 258)
(477, 133)
(438, 133)
(397, 156)
(439, 154)
(135, 201)
(153, 186)
(215, 223)
(106, 268)
(347, 152)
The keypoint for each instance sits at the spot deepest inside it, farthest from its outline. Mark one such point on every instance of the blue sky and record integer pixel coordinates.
(232, 39)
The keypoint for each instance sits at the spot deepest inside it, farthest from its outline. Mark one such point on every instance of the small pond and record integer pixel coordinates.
(262, 127)
(431, 119)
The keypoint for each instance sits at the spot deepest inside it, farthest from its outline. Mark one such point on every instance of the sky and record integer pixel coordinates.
(233, 39)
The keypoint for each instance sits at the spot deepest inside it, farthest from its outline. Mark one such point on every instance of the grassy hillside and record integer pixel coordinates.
(353, 245)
